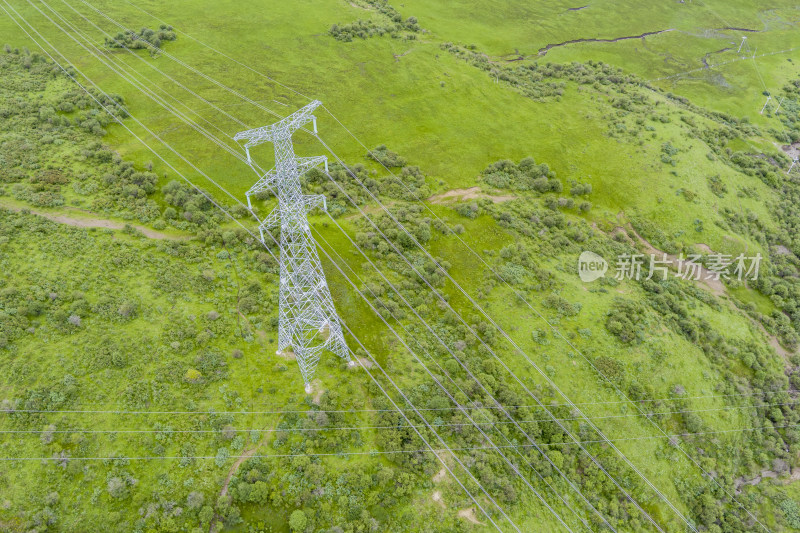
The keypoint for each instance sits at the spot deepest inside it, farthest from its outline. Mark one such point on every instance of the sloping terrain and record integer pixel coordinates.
(144, 392)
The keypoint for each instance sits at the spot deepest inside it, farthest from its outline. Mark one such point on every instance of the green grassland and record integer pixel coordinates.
(95, 319)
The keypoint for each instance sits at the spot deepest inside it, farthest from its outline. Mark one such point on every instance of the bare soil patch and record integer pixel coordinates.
(715, 285)
(472, 193)
(469, 515)
(287, 354)
(94, 222)
(316, 388)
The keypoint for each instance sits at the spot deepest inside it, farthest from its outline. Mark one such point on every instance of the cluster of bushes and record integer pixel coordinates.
(145, 38)
(755, 166)
(386, 157)
(789, 112)
(780, 271)
(525, 176)
(388, 21)
(626, 321)
(344, 186)
(76, 287)
(308, 490)
(546, 81)
(46, 118)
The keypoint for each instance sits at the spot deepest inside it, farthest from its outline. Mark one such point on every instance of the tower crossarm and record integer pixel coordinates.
(280, 130)
(304, 164)
(272, 220)
(314, 200)
(267, 181)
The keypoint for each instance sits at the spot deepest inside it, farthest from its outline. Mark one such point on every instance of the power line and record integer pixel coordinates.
(445, 302)
(12, 410)
(375, 362)
(170, 431)
(273, 80)
(368, 372)
(158, 155)
(468, 407)
(106, 17)
(630, 464)
(519, 295)
(447, 374)
(573, 404)
(157, 102)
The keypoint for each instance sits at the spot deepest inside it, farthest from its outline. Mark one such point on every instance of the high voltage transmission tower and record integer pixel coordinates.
(308, 322)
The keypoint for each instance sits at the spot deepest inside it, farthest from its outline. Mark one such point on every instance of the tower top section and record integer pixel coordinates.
(281, 130)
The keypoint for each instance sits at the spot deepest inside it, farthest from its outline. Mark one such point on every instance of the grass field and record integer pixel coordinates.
(653, 167)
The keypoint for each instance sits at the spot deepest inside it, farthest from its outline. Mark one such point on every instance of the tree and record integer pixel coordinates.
(223, 454)
(193, 375)
(47, 434)
(117, 488)
(194, 500)
(298, 521)
(206, 514)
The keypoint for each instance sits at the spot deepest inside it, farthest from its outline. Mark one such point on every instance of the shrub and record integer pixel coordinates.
(298, 521)
(791, 511)
(625, 321)
(223, 454)
(716, 185)
(117, 488)
(192, 376)
(610, 368)
(195, 500)
(386, 157)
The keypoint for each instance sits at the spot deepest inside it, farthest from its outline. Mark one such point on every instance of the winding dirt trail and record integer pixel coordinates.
(236, 464)
(92, 222)
(794, 476)
(472, 193)
(545, 49)
(247, 454)
(716, 286)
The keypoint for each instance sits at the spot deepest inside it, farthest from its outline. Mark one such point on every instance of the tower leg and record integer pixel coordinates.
(336, 343)
(284, 335)
(284, 324)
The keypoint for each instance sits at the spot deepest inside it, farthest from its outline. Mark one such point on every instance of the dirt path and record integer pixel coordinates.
(94, 222)
(469, 515)
(247, 454)
(545, 49)
(738, 483)
(473, 193)
(792, 150)
(235, 467)
(715, 285)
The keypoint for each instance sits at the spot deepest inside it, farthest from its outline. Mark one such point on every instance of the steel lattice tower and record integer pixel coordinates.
(308, 322)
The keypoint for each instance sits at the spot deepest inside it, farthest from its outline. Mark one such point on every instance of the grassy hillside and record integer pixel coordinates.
(595, 144)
